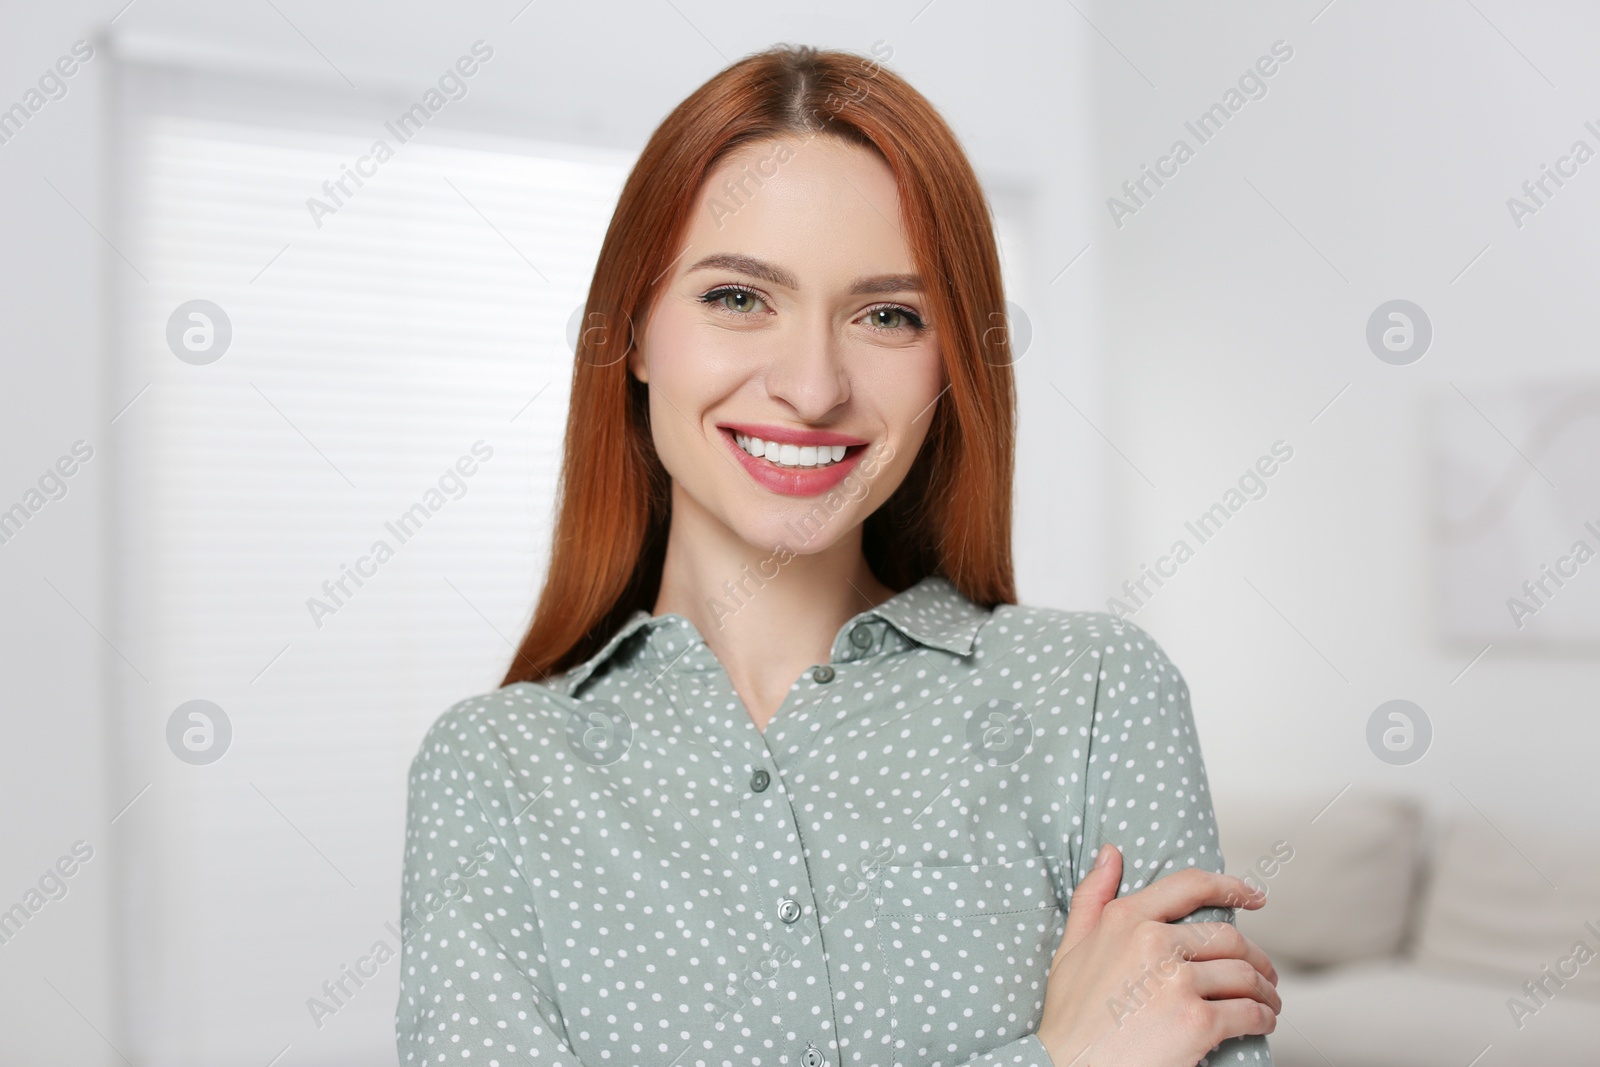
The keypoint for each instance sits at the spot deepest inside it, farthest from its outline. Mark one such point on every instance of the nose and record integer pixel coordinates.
(807, 371)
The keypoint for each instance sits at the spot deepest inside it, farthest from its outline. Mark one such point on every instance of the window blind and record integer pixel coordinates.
(397, 376)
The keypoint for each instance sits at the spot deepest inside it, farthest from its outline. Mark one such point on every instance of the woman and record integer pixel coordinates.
(781, 774)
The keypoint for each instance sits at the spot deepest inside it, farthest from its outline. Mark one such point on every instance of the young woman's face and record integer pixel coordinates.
(792, 315)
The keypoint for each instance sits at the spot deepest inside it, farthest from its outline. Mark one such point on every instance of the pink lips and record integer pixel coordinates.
(794, 481)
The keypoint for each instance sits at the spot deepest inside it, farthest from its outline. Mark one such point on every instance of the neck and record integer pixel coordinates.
(766, 613)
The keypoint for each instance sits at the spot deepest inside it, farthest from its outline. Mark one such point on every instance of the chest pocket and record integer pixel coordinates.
(966, 951)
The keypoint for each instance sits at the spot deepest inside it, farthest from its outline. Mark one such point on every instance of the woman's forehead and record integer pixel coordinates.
(793, 202)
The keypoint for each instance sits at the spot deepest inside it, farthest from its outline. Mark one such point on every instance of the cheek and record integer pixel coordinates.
(671, 423)
(686, 383)
(923, 390)
(903, 393)
(688, 379)
(932, 382)
(688, 357)
(908, 387)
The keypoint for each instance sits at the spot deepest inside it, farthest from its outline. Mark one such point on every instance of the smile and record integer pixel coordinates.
(797, 456)
(792, 469)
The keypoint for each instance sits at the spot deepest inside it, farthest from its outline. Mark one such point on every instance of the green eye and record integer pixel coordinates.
(898, 318)
(719, 297)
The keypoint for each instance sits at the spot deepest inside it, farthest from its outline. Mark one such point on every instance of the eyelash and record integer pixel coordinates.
(713, 297)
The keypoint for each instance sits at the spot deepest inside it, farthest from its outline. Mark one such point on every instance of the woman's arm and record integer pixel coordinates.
(472, 979)
(1145, 791)
(1128, 978)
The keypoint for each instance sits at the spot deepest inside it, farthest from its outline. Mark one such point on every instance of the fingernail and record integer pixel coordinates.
(1102, 859)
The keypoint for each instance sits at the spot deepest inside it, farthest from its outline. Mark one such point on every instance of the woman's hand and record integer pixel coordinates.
(1131, 988)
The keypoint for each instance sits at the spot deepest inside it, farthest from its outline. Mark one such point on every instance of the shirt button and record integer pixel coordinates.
(823, 673)
(760, 780)
(789, 910)
(812, 1057)
(861, 636)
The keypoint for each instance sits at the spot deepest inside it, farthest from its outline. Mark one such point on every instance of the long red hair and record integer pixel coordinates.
(952, 513)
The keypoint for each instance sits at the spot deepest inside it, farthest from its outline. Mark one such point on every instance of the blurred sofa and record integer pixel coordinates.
(1408, 938)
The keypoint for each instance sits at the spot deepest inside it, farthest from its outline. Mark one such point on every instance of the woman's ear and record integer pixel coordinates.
(637, 365)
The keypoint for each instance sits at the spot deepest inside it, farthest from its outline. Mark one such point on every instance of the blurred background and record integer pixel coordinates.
(1304, 295)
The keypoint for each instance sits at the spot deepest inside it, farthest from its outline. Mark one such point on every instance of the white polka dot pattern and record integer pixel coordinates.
(881, 878)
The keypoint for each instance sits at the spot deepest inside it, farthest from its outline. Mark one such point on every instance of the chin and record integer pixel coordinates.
(799, 529)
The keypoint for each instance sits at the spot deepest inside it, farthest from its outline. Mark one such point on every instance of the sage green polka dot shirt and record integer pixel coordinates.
(617, 867)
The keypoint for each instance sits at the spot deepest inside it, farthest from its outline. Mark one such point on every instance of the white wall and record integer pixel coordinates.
(56, 975)
(1387, 147)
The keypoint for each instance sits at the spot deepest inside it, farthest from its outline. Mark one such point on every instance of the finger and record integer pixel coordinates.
(1231, 978)
(1218, 941)
(1175, 895)
(1089, 898)
(1240, 1016)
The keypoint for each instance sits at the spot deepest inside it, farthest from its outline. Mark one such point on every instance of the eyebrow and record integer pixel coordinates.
(757, 268)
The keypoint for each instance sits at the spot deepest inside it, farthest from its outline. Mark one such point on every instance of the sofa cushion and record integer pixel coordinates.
(1509, 900)
(1340, 877)
(1389, 1013)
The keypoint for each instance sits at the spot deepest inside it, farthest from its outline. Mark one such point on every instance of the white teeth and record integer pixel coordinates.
(791, 455)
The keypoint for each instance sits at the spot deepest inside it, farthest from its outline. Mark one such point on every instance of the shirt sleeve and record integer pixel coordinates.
(472, 979)
(1145, 789)
(1027, 1051)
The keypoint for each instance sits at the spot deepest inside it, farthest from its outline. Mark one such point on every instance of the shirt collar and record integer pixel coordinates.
(932, 613)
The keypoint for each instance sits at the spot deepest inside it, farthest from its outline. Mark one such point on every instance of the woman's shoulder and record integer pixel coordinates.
(1097, 635)
(500, 720)
(1115, 656)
